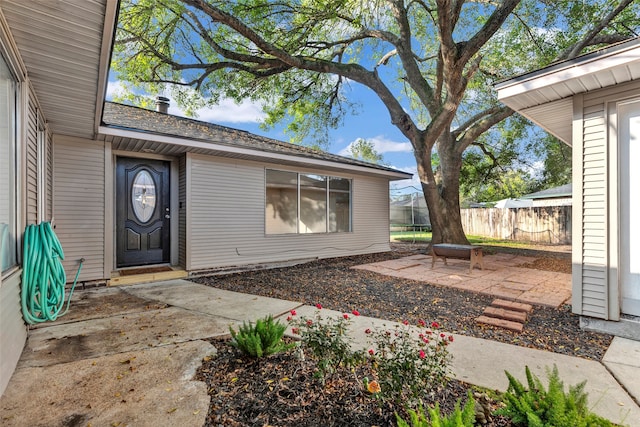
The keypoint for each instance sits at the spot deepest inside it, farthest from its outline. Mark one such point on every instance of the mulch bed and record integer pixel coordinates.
(252, 393)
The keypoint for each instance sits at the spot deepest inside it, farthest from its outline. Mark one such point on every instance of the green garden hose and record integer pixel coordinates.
(43, 277)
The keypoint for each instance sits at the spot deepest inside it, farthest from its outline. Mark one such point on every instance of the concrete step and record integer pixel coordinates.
(501, 313)
(501, 323)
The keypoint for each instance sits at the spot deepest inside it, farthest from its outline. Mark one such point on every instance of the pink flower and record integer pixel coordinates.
(346, 316)
(289, 318)
(309, 322)
(371, 352)
(422, 323)
(435, 325)
(405, 322)
(319, 306)
(367, 331)
(295, 331)
(425, 340)
(422, 354)
(293, 312)
(355, 313)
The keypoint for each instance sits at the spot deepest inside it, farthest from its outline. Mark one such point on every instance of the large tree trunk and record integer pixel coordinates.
(442, 194)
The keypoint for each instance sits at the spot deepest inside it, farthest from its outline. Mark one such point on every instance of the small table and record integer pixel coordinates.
(450, 250)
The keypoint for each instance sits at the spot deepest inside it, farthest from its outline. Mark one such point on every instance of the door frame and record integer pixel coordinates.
(110, 201)
(625, 304)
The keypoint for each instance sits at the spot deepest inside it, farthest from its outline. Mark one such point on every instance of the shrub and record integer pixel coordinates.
(464, 417)
(327, 340)
(262, 339)
(410, 363)
(536, 406)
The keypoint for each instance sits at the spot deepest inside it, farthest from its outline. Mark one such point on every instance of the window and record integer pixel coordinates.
(8, 203)
(306, 203)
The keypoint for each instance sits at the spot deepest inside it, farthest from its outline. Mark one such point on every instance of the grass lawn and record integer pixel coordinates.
(425, 237)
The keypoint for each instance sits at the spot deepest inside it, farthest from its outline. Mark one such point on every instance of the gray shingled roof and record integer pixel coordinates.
(148, 121)
(550, 193)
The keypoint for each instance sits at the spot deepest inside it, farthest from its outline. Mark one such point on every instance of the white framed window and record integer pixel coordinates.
(306, 203)
(8, 168)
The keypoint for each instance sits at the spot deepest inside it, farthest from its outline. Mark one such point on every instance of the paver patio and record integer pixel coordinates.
(503, 276)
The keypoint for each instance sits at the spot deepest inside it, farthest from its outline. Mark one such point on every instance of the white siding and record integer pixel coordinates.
(182, 211)
(79, 202)
(226, 218)
(31, 169)
(13, 333)
(594, 219)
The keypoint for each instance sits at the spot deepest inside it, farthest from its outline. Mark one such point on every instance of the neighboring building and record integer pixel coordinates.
(135, 187)
(593, 103)
(556, 196)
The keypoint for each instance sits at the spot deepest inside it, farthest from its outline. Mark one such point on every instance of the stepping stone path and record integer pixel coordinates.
(506, 314)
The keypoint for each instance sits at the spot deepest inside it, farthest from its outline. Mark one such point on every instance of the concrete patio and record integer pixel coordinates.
(503, 277)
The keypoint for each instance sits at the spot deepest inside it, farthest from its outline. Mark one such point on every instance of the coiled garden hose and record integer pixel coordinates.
(43, 277)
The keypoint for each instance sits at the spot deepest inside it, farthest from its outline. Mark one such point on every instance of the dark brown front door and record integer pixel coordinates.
(142, 212)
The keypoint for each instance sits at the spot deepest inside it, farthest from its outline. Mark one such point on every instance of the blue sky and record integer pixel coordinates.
(371, 123)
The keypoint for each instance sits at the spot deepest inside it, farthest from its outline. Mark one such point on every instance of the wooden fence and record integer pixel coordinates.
(550, 224)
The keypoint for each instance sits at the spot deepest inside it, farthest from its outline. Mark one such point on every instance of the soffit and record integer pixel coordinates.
(61, 45)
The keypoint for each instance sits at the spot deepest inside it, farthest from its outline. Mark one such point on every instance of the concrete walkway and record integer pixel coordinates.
(127, 356)
(502, 277)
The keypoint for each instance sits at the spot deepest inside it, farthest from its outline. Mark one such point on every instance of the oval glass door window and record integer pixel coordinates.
(143, 196)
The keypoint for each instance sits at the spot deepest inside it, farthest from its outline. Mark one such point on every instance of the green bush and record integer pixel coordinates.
(537, 407)
(262, 339)
(464, 417)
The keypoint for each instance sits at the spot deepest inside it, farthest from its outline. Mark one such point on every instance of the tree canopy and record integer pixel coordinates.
(430, 62)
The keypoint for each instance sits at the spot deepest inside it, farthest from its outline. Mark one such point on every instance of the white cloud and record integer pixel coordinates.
(406, 186)
(226, 111)
(381, 145)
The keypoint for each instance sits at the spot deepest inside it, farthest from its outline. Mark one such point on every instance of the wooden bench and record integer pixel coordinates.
(450, 250)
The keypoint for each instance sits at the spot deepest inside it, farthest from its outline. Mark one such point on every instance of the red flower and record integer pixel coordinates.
(435, 325)
(422, 323)
(319, 306)
(422, 354)
(295, 331)
(367, 331)
(346, 316)
(293, 312)
(451, 338)
(309, 322)
(355, 313)
(289, 318)
(442, 335)
(371, 352)
(428, 332)
(425, 340)
(405, 322)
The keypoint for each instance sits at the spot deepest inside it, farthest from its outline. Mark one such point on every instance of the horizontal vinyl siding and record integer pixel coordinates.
(13, 332)
(79, 205)
(594, 208)
(32, 164)
(227, 203)
(182, 211)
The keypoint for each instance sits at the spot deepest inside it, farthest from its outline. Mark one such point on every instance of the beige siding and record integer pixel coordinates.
(31, 170)
(226, 218)
(594, 220)
(79, 202)
(13, 333)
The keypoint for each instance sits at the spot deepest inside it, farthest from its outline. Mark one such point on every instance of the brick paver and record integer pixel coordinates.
(502, 277)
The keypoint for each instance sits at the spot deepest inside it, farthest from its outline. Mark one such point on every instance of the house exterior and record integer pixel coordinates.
(126, 187)
(556, 196)
(593, 103)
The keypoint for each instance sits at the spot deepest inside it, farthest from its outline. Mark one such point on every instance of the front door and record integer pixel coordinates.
(629, 140)
(142, 212)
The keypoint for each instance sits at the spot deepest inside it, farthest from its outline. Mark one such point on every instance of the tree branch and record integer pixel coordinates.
(472, 132)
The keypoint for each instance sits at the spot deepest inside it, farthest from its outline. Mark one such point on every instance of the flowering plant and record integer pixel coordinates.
(410, 362)
(327, 340)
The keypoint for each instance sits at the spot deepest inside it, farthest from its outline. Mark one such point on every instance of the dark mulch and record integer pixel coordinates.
(336, 286)
(281, 390)
(254, 393)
